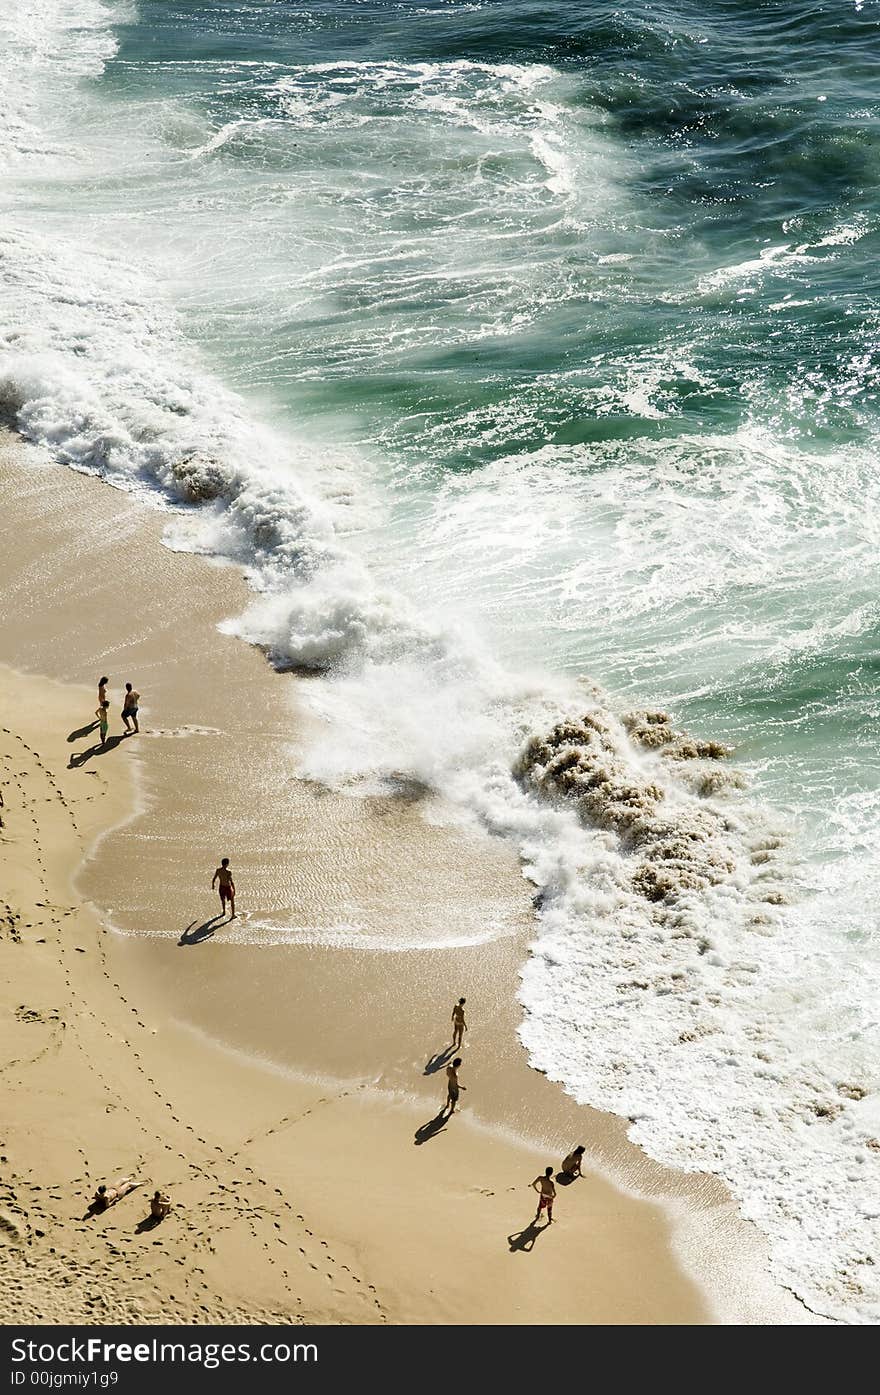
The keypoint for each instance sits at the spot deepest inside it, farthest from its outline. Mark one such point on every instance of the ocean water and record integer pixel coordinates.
(527, 357)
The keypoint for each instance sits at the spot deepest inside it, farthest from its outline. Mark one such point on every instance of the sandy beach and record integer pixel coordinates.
(278, 1077)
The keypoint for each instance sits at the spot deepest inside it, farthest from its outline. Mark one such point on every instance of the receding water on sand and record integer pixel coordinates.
(546, 402)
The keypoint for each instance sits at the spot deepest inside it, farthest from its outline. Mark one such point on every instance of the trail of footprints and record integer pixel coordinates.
(220, 1202)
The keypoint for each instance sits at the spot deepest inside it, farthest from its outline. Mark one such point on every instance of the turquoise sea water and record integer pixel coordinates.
(512, 345)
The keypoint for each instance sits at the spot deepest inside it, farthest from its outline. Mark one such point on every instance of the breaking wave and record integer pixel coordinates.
(681, 974)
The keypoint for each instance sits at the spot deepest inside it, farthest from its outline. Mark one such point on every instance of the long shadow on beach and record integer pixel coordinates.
(148, 1223)
(525, 1239)
(99, 750)
(432, 1128)
(83, 731)
(440, 1058)
(193, 935)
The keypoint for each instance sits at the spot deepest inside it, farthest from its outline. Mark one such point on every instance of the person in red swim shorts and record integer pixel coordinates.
(545, 1185)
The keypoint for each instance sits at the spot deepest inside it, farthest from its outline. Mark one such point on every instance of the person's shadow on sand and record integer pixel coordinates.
(432, 1128)
(525, 1239)
(110, 745)
(195, 936)
(83, 731)
(440, 1058)
(148, 1223)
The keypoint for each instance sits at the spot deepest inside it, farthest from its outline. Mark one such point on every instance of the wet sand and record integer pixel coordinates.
(340, 974)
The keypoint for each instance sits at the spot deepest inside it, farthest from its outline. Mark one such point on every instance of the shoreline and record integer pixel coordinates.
(377, 853)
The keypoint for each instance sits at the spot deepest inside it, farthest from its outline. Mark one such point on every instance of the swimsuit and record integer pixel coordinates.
(545, 1201)
(226, 893)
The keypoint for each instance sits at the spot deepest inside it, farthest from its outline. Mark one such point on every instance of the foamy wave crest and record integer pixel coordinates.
(96, 370)
(676, 977)
(47, 46)
(671, 984)
(670, 850)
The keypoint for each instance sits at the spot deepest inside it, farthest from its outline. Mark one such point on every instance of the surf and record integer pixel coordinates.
(552, 540)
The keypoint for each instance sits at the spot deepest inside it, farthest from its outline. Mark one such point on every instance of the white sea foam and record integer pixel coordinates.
(263, 934)
(732, 1025)
(47, 46)
(781, 259)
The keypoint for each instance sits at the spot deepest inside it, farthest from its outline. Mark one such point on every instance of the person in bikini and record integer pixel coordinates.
(105, 1196)
(130, 709)
(453, 1085)
(571, 1166)
(545, 1185)
(101, 712)
(223, 876)
(102, 700)
(459, 1026)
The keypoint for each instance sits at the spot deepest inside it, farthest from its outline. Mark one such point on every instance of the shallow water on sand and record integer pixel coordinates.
(528, 363)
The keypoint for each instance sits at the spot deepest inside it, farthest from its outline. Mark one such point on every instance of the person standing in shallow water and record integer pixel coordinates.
(459, 1026)
(223, 877)
(453, 1085)
(130, 709)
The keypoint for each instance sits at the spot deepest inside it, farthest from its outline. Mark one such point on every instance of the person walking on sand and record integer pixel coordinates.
(101, 712)
(571, 1166)
(130, 709)
(459, 1026)
(453, 1085)
(545, 1185)
(223, 876)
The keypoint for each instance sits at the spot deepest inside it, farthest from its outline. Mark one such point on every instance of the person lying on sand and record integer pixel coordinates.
(105, 1196)
(160, 1205)
(571, 1166)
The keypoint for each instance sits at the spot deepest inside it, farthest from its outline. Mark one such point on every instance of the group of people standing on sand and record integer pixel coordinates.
(222, 878)
(130, 705)
(453, 1084)
(544, 1184)
(129, 713)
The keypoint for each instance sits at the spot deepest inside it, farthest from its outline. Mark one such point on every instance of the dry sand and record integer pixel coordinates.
(273, 1076)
